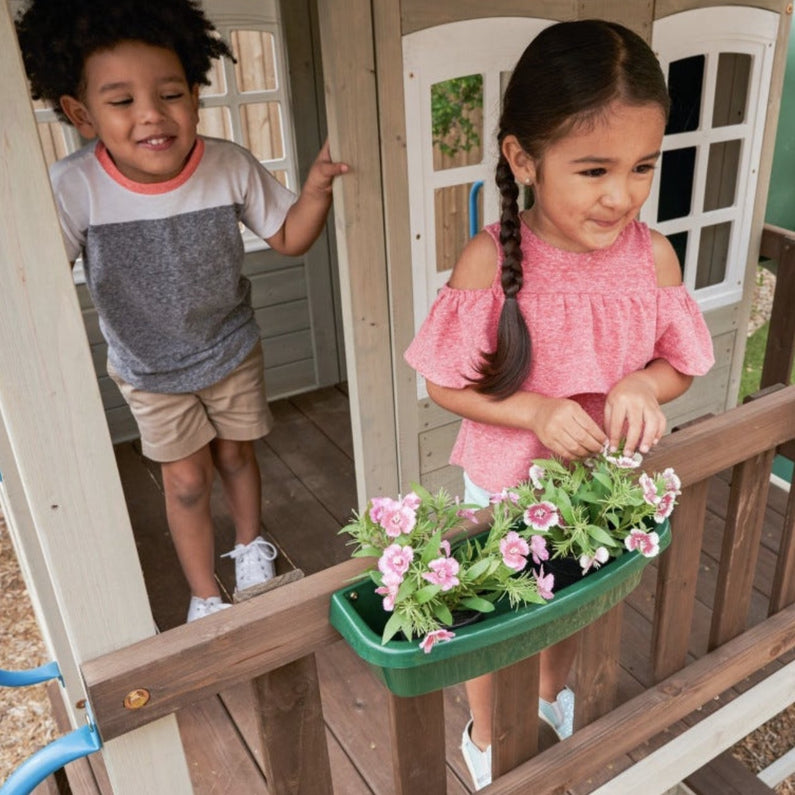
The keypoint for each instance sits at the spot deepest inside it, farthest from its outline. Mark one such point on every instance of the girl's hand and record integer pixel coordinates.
(633, 411)
(566, 429)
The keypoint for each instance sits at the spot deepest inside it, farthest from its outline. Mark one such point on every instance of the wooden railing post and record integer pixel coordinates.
(417, 740)
(597, 667)
(744, 519)
(782, 591)
(676, 583)
(514, 715)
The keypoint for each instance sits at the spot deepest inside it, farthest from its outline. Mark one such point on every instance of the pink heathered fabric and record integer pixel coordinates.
(593, 318)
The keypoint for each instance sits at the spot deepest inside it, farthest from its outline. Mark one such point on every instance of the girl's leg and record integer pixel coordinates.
(479, 692)
(240, 477)
(556, 662)
(187, 483)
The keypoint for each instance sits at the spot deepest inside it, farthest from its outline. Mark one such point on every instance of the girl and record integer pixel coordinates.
(565, 326)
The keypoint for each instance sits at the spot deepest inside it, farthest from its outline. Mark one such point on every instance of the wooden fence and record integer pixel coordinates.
(159, 675)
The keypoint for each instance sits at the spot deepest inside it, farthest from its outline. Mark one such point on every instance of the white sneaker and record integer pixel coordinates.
(199, 608)
(253, 562)
(478, 762)
(559, 714)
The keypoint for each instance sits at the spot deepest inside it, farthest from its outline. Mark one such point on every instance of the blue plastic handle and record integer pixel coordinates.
(76, 744)
(473, 207)
(32, 676)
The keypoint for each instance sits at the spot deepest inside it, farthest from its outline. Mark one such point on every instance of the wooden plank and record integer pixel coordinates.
(728, 776)
(783, 588)
(590, 749)
(346, 37)
(229, 643)
(740, 546)
(417, 757)
(676, 583)
(515, 722)
(329, 410)
(637, 16)
(597, 666)
(780, 349)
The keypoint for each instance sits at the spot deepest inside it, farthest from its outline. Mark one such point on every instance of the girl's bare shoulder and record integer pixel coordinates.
(476, 267)
(666, 263)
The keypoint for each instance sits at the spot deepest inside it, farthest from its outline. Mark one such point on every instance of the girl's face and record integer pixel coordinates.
(137, 101)
(590, 184)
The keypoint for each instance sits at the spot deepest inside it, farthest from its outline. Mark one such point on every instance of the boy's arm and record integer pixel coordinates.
(306, 217)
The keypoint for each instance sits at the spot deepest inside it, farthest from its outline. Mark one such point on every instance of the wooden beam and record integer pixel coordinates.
(346, 37)
(591, 749)
(59, 475)
(783, 588)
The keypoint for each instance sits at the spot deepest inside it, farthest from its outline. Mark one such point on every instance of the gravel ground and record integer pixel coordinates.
(26, 722)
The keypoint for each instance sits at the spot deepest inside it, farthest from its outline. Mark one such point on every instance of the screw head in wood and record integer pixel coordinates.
(136, 699)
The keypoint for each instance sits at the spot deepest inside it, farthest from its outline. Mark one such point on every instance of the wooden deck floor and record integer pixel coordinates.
(308, 494)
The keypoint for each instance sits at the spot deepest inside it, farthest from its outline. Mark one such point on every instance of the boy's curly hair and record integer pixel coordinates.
(56, 38)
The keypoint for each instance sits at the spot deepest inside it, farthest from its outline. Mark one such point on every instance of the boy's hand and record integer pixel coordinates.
(324, 169)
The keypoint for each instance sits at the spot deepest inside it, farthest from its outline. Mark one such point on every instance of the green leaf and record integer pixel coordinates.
(601, 535)
(476, 603)
(443, 614)
(427, 593)
(393, 626)
(478, 569)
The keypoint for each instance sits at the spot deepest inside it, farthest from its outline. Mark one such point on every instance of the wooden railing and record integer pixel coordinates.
(272, 639)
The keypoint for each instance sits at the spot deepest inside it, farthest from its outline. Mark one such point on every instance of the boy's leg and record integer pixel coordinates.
(188, 483)
(240, 478)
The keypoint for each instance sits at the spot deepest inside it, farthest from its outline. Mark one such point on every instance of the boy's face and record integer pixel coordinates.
(137, 101)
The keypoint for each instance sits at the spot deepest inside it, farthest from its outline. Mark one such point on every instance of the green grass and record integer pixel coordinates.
(752, 364)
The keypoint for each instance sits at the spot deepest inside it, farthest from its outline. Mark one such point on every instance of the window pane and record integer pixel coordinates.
(731, 88)
(685, 81)
(679, 242)
(262, 130)
(451, 210)
(724, 160)
(713, 251)
(255, 69)
(217, 80)
(676, 183)
(457, 122)
(53, 141)
(215, 122)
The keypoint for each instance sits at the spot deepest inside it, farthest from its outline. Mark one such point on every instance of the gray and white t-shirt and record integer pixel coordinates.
(163, 261)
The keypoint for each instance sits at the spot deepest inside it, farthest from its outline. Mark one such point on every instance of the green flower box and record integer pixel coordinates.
(498, 639)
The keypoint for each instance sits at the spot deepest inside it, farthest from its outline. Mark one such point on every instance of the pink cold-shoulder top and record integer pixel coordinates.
(593, 317)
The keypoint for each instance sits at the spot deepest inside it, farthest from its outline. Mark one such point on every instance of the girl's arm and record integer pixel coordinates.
(633, 409)
(306, 217)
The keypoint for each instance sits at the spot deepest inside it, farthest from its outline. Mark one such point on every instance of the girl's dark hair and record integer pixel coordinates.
(56, 37)
(567, 76)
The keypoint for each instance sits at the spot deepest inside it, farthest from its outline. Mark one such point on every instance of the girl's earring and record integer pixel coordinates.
(527, 180)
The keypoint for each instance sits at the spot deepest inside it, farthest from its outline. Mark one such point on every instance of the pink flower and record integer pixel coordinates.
(649, 487)
(514, 551)
(545, 583)
(672, 482)
(377, 505)
(625, 461)
(396, 518)
(542, 516)
(536, 473)
(648, 544)
(467, 513)
(437, 636)
(504, 496)
(445, 547)
(389, 592)
(443, 571)
(538, 546)
(601, 555)
(395, 560)
(665, 507)
(412, 501)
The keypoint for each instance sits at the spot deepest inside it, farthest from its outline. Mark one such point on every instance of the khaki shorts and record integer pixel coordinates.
(174, 426)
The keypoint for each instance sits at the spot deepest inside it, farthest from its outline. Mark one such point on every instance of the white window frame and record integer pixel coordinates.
(710, 32)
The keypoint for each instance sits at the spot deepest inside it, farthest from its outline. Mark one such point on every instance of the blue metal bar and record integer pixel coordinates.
(474, 226)
(30, 677)
(52, 757)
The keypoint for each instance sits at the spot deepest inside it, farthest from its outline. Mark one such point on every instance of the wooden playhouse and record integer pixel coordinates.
(365, 71)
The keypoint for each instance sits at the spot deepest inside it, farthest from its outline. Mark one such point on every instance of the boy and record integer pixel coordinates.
(154, 208)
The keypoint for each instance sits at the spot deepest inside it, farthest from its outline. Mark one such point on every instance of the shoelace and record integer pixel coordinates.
(254, 551)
